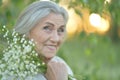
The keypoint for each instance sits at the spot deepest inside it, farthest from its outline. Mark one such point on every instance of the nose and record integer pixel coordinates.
(54, 37)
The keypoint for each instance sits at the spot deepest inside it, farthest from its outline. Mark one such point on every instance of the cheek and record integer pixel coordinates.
(39, 43)
(62, 39)
(39, 37)
(40, 40)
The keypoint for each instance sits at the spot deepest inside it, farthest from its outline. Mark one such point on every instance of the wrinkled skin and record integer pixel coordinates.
(48, 35)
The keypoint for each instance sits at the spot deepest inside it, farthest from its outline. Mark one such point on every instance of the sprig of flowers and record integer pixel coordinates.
(19, 59)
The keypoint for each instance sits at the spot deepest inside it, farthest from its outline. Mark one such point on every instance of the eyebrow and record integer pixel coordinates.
(50, 23)
(53, 24)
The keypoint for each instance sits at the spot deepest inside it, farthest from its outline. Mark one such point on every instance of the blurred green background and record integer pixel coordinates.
(91, 55)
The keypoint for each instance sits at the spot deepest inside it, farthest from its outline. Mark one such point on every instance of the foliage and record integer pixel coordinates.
(10, 10)
(92, 56)
(101, 7)
(19, 59)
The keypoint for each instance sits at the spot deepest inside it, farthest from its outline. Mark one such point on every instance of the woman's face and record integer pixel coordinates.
(48, 35)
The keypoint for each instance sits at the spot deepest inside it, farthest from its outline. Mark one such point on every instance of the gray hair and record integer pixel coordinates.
(36, 11)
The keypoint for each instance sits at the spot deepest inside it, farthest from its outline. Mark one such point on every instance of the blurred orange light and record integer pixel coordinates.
(99, 23)
(104, 25)
(95, 19)
(71, 25)
(74, 23)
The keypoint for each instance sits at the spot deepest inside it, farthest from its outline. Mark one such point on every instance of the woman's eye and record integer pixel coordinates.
(61, 30)
(46, 27)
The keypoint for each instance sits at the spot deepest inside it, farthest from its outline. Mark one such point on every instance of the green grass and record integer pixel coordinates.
(93, 57)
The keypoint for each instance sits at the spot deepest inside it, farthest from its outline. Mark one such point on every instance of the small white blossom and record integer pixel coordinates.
(4, 26)
(19, 59)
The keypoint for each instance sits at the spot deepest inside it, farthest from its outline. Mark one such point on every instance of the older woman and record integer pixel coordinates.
(45, 23)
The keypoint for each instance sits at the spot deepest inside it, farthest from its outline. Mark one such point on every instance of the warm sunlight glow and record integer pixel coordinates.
(104, 25)
(95, 19)
(98, 22)
(71, 25)
(74, 24)
(89, 23)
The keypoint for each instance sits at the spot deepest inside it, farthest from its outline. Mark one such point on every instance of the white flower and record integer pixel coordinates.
(2, 66)
(19, 58)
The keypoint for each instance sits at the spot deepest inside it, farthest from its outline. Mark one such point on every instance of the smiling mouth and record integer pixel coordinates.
(51, 47)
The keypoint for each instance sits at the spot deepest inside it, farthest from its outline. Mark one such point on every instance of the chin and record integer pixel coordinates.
(49, 56)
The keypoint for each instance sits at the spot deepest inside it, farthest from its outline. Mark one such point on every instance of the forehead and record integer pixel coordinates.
(54, 18)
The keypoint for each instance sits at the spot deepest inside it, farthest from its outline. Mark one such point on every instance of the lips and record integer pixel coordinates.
(51, 47)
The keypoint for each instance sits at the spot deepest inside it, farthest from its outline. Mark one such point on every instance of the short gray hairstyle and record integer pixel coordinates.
(36, 11)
